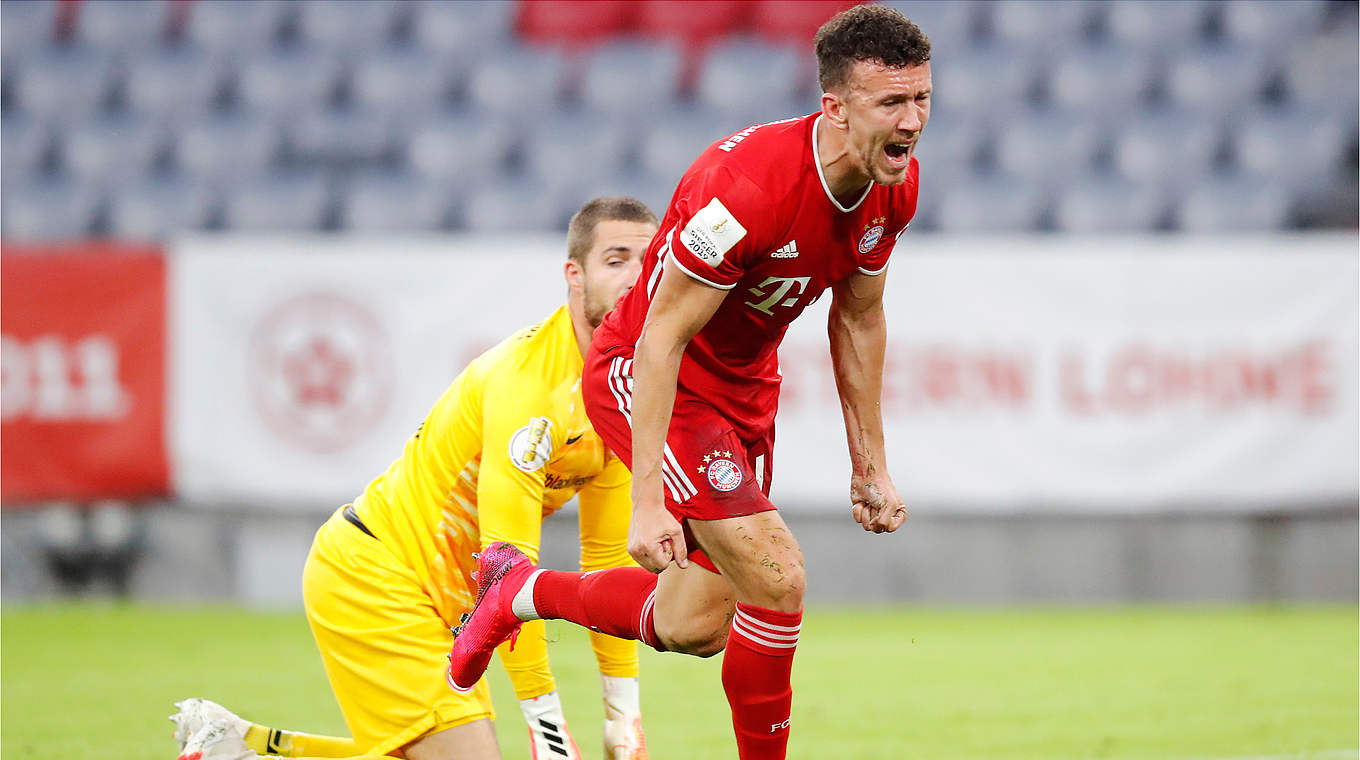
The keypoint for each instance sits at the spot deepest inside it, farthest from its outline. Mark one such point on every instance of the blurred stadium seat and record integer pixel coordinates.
(746, 76)
(988, 204)
(1290, 147)
(340, 137)
(1108, 204)
(1172, 148)
(230, 26)
(1047, 146)
(25, 27)
(349, 26)
(177, 84)
(553, 157)
(1043, 24)
(1220, 78)
(1230, 204)
(511, 203)
(984, 80)
(407, 83)
(26, 142)
(631, 77)
(1106, 81)
(228, 147)
(1270, 25)
(949, 24)
(573, 22)
(678, 19)
(524, 82)
(156, 208)
(1155, 26)
(569, 96)
(673, 143)
(794, 23)
(280, 202)
(112, 150)
(66, 82)
(462, 30)
(289, 81)
(386, 201)
(49, 209)
(460, 146)
(124, 25)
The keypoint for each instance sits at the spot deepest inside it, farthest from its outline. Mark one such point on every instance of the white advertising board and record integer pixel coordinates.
(1028, 374)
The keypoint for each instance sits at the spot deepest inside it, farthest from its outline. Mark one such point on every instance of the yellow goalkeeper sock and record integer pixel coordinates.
(272, 741)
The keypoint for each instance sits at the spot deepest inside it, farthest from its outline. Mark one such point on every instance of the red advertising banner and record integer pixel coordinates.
(82, 373)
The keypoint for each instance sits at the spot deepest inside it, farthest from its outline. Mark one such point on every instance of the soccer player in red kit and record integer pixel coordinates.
(682, 379)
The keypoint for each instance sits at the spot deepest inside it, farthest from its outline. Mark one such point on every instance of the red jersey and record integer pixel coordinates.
(753, 216)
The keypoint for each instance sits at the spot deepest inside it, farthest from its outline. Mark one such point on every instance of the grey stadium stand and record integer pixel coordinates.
(226, 148)
(631, 77)
(386, 201)
(153, 209)
(112, 150)
(122, 26)
(50, 209)
(179, 84)
(1109, 204)
(287, 201)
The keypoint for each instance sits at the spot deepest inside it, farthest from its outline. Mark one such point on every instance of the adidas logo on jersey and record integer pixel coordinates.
(788, 250)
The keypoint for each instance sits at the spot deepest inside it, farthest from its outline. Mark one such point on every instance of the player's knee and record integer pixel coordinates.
(784, 589)
(700, 638)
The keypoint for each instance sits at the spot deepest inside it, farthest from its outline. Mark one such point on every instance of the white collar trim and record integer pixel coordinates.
(817, 162)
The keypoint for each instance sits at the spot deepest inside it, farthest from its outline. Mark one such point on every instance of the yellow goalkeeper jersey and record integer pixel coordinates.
(506, 445)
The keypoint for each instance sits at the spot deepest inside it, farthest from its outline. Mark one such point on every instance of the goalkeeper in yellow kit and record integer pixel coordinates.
(388, 576)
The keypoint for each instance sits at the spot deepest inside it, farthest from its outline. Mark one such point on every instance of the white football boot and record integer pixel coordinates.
(623, 736)
(216, 740)
(195, 713)
(548, 735)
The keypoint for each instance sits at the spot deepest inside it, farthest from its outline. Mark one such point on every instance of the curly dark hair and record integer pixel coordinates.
(867, 33)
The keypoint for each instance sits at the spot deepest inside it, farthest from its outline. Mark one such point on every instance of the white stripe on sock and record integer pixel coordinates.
(523, 603)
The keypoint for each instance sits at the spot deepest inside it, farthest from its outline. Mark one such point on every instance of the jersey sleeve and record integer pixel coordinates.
(518, 437)
(718, 229)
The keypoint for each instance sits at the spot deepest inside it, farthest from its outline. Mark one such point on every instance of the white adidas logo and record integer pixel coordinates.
(788, 250)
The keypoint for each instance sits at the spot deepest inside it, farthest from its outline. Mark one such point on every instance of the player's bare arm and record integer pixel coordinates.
(858, 334)
(680, 308)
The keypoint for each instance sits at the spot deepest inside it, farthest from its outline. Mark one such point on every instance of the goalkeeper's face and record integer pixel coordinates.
(612, 265)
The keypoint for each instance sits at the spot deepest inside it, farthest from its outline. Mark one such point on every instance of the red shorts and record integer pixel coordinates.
(708, 472)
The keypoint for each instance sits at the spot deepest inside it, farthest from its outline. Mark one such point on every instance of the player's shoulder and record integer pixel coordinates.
(533, 354)
(761, 152)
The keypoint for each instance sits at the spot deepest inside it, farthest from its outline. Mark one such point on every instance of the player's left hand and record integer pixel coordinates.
(875, 503)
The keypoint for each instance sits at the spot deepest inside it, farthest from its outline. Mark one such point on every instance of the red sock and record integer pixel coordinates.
(755, 674)
(617, 602)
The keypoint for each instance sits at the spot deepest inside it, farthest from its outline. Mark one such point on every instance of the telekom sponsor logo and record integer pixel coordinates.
(320, 371)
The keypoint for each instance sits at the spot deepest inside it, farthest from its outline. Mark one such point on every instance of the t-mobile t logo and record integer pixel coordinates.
(776, 296)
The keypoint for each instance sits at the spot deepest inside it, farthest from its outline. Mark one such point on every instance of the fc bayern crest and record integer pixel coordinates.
(724, 474)
(871, 238)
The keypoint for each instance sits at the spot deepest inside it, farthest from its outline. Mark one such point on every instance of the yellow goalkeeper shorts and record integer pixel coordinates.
(383, 644)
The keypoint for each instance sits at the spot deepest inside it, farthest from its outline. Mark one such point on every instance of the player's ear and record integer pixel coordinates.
(833, 108)
(575, 274)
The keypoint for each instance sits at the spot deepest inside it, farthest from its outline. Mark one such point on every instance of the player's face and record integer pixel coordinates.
(613, 264)
(885, 111)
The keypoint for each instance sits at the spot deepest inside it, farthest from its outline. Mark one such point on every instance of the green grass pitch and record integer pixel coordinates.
(95, 682)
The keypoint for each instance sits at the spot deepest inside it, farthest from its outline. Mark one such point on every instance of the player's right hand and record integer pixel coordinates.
(655, 538)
